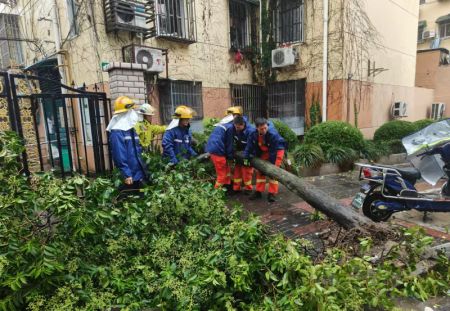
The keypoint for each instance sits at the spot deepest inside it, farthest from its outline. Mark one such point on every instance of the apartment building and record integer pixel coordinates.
(264, 55)
(433, 44)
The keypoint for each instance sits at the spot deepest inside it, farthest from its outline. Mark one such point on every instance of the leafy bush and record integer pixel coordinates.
(335, 133)
(421, 124)
(72, 245)
(393, 130)
(395, 146)
(200, 139)
(341, 155)
(308, 155)
(287, 133)
(373, 151)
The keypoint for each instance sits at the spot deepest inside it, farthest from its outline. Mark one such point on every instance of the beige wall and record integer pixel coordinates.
(208, 60)
(430, 12)
(431, 74)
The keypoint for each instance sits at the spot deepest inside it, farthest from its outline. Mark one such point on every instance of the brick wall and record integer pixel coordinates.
(127, 79)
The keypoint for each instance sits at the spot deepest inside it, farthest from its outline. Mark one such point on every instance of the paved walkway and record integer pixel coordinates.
(294, 217)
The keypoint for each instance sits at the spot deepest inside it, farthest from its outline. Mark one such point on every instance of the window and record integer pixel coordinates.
(176, 93)
(243, 32)
(10, 46)
(289, 21)
(250, 98)
(286, 101)
(175, 19)
(444, 30)
(72, 12)
(420, 33)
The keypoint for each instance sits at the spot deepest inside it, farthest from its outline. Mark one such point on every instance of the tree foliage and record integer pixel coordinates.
(72, 245)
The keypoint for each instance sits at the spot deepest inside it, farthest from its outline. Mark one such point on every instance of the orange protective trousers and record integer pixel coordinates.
(242, 174)
(261, 179)
(222, 170)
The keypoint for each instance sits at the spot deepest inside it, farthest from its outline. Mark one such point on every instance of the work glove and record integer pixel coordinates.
(246, 162)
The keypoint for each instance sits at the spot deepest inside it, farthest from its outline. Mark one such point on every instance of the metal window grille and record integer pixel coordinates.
(175, 20)
(286, 101)
(289, 21)
(10, 49)
(250, 98)
(242, 21)
(176, 93)
(72, 12)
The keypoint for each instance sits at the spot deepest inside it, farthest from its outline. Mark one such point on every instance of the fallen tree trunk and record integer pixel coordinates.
(318, 199)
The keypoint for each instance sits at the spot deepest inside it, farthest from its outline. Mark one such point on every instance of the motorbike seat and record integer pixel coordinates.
(410, 174)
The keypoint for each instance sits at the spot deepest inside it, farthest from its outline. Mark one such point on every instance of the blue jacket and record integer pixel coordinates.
(127, 154)
(272, 139)
(220, 142)
(178, 142)
(240, 140)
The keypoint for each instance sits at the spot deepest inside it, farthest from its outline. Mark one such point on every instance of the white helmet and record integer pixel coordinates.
(146, 109)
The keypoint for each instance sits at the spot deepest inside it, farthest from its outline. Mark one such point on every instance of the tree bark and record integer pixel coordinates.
(318, 199)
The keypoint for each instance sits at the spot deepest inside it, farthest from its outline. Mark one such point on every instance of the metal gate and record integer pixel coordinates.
(63, 131)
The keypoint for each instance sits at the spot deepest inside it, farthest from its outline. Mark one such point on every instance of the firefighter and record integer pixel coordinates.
(267, 144)
(177, 140)
(145, 129)
(219, 146)
(125, 147)
(242, 174)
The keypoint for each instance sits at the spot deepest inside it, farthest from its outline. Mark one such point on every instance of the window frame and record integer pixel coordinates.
(421, 30)
(72, 14)
(175, 19)
(446, 26)
(239, 10)
(281, 95)
(280, 14)
(10, 28)
(173, 93)
(250, 98)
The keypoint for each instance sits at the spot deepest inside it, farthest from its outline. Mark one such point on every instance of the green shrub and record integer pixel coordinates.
(200, 139)
(373, 151)
(308, 155)
(341, 155)
(394, 130)
(335, 133)
(421, 124)
(287, 133)
(395, 146)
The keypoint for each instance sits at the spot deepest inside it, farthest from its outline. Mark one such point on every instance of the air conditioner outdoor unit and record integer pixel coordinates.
(428, 34)
(283, 57)
(140, 54)
(437, 111)
(399, 109)
(130, 14)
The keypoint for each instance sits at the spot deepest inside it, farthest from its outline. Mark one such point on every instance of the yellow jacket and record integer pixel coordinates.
(148, 131)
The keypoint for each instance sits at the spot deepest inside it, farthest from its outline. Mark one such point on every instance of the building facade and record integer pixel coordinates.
(264, 55)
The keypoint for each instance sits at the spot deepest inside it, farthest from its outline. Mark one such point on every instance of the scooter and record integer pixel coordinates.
(390, 189)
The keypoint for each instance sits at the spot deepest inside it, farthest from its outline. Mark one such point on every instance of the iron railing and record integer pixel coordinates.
(250, 98)
(289, 21)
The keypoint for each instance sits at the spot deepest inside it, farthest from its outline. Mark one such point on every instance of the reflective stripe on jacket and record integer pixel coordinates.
(220, 141)
(178, 142)
(127, 154)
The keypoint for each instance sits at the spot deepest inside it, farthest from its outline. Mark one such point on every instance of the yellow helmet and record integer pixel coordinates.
(184, 112)
(146, 109)
(234, 110)
(123, 104)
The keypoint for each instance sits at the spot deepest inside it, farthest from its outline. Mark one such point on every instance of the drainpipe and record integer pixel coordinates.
(57, 36)
(325, 61)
